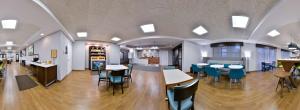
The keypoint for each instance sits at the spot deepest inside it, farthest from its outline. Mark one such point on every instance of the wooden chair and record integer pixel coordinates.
(117, 78)
(182, 97)
(283, 81)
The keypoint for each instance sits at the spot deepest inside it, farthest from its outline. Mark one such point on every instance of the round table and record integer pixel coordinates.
(235, 66)
(202, 64)
(217, 66)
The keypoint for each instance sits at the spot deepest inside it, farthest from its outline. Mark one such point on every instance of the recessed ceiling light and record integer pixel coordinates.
(9, 42)
(274, 33)
(82, 34)
(240, 21)
(139, 48)
(42, 34)
(147, 28)
(115, 39)
(9, 48)
(200, 30)
(9, 24)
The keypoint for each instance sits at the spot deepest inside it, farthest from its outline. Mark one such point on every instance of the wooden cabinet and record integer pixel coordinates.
(153, 60)
(45, 75)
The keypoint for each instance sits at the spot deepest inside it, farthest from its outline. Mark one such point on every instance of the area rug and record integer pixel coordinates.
(25, 82)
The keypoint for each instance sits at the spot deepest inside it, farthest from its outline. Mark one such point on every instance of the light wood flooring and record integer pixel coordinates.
(79, 91)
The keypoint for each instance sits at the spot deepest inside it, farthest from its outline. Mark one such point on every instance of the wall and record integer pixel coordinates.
(164, 57)
(56, 41)
(190, 55)
(78, 55)
(113, 54)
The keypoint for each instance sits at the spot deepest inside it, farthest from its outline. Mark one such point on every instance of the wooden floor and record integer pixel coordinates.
(79, 91)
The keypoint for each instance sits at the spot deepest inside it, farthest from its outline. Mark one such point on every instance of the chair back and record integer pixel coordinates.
(117, 73)
(195, 68)
(130, 67)
(214, 72)
(207, 70)
(185, 91)
(236, 73)
(169, 67)
(101, 67)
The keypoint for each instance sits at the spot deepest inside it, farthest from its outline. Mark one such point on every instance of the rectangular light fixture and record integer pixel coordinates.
(148, 28)
(274, 33)
(240, 21)
(200, 30)
(9, 43)
(115, 39)
(9, 24)
(9, 48)
(82, 34)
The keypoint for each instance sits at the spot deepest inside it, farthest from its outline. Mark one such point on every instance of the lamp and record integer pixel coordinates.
(292, 46)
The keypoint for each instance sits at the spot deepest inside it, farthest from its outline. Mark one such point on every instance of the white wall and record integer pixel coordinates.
(205, 51)
(190, 55)
(113, 54)
(56, 41)
(170, 57)
(79, 55)
(164, 57)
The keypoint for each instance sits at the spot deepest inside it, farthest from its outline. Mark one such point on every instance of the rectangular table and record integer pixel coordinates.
(175, 76)
(115, 67)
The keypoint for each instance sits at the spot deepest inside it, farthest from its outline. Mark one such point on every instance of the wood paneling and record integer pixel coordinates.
(79, 91)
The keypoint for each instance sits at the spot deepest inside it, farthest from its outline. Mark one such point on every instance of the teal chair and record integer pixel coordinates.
(226, 65)
(182, 97)
(236, 75)
(215, 73)
(169, 67)
(102, 73)
(117, 78)
(128, 72)
(196, 70)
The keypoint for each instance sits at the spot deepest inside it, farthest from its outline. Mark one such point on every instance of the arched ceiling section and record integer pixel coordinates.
(103, 19)
(285, 18)
(31, 19)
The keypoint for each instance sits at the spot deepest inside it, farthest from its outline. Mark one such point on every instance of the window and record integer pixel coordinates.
(285, 54)
(265, 54)
(227, 51)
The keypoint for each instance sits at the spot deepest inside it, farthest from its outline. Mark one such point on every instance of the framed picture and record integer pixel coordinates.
(53, 53)
(30, 50)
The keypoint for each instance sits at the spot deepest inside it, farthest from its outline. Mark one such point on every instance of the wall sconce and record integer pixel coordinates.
(204, 54)
(247, 54)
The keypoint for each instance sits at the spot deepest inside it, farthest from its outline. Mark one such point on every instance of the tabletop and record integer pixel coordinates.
(217, 66)
(116, 67)
(175, 76)
(235, 66)
(202, 64)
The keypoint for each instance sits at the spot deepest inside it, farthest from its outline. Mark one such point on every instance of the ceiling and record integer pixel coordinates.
(104, 19)
(31, 21)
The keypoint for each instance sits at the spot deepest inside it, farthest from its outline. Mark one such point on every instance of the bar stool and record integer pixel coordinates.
(283, 81)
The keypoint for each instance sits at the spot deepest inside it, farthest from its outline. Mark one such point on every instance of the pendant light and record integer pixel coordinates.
(292, 46)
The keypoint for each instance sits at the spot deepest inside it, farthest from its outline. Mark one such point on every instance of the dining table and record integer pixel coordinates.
(175, 77)
(217, 66)
(115, 67)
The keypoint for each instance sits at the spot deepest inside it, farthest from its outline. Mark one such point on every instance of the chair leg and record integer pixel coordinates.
(230, 83)
(278, 84)
(122, 88)
(113, 89)
(99, 82)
